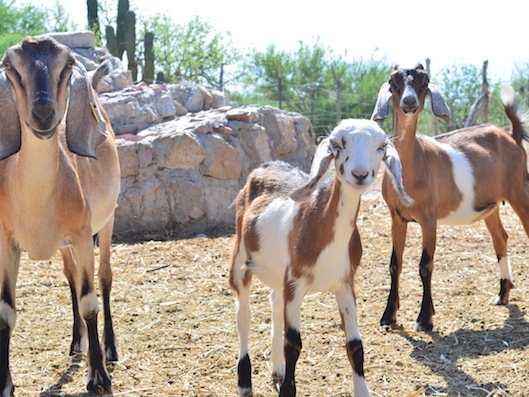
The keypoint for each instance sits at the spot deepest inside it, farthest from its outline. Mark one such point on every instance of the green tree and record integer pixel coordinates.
(17, 22)
(520, 82)
(460, 86)
(58, 19)
(313, 81)
(193, 51)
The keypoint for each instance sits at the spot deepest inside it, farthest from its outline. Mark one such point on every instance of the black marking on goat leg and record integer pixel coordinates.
(5, 374)
(99, 380)
(78, 325)
(6, 294)
(355, 353)
(424, 320)
(244, 372)
(390, 314)
(109, 338)
(292, 350)
(505, 289)
(85, 290)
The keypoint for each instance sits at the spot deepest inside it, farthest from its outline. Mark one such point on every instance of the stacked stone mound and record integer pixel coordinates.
(184, 153)
(183, 175)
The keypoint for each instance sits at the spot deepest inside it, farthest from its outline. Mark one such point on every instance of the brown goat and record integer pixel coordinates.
(457, 178)
(59, 184)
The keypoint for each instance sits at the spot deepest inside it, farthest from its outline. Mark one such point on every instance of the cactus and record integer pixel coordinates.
(123, 8)
(148, 70)
(130, 43)
(112, 43)
(93, 19)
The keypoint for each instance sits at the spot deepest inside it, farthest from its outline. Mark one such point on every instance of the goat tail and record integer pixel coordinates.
(517, 119)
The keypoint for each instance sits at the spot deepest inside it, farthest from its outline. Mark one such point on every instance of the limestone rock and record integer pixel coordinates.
(82, 39)
(180, 176)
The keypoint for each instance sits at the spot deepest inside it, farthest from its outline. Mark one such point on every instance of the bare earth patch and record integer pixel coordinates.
(175, 321)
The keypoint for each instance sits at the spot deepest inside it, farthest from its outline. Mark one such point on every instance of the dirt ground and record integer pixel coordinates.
(175, 321)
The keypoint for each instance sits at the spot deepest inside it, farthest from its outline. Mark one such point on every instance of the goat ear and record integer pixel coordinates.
(320, 164)
(394, 170)
(439, 106)
(10, 133)
(85, 126)
(382, 105)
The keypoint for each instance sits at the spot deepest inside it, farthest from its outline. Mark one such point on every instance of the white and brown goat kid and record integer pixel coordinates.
(298, 235)
(457, 178)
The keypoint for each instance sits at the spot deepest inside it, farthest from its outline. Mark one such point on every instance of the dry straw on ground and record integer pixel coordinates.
(174, 318)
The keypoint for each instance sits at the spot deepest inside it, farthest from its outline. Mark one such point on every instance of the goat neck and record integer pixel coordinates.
(405, 131)
(36, 166)
(331, 212)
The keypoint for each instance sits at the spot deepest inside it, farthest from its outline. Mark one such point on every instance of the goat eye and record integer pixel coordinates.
(383, 147)
(335, 147)
(7, 65)
(70, 63)
(395, 88)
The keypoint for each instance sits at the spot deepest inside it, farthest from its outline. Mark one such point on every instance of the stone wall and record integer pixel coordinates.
(183, 175)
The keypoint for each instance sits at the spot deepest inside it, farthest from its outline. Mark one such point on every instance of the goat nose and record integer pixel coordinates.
(42, 110)
(360, 175)
(409, 100)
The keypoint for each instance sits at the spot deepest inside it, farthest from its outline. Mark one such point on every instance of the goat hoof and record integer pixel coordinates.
(78, 347)
(98, 390)
(245, 392)
(277, 378)
(423, 326)
(387, 321)
(99, 384)
(287, 391)
(111, 354)
(501, 301)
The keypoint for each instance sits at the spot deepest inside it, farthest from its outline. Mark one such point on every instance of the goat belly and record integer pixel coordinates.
(273, 227)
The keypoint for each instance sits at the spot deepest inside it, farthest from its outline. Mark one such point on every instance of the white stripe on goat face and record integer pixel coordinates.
(358, 150)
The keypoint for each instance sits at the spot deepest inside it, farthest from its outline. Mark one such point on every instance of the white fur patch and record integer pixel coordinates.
(464, 179)
(8, 314)
(273, 226)
(335, 256)
(88, 304)
(505, 268)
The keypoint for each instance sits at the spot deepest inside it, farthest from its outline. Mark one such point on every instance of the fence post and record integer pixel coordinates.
(338, 84)
(435, 122)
